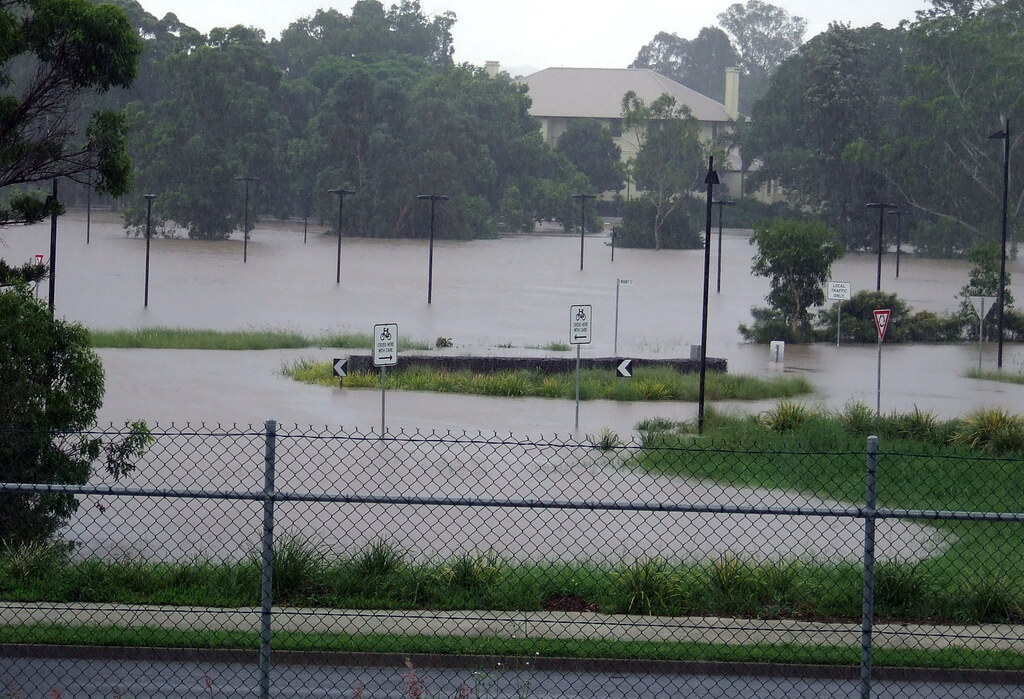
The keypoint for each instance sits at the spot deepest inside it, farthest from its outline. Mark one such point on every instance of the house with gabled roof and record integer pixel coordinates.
(562, 95)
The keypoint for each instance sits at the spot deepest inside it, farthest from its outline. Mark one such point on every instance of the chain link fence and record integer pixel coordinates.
(271, 561)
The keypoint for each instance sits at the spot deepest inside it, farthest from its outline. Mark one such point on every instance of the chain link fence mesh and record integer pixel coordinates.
(472, 565)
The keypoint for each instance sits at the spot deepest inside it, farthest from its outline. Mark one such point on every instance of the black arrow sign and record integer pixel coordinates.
(622, 370)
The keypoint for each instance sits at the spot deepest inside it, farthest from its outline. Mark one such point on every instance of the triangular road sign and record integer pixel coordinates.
(882, 322)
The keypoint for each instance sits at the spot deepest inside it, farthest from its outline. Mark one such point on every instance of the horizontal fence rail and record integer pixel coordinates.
(261, 561)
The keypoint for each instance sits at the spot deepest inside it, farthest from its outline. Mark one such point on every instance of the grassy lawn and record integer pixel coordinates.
(190, 338)
(647, 384)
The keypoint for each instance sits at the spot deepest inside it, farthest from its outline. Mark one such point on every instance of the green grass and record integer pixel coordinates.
(383, 577)
(990, 375)
(647, 384)
(959, 658)
(192, 338)
(970, 464)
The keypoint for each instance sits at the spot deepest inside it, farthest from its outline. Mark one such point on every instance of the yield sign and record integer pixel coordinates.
(882, 322)
(623, 369)
(341, 368)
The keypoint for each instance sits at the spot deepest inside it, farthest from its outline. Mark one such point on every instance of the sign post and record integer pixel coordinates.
(341, 370)
(385, 354)
(881, 324)
(619, 283)
(580, 326)
(838, 291)
(980, 304)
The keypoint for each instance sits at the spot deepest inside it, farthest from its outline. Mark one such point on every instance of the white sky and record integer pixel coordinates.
(535, 34)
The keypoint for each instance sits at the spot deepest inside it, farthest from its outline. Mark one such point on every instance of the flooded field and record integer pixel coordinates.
(505, 296)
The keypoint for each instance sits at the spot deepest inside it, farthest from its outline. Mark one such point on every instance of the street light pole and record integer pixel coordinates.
(1005, 136)
(433, 199)
(720, 203)
(881, 206)
(899, 235)
(53, 242)
(711, 179)
(341, 203)
(583, 219)
(149, 215)
(245, 238)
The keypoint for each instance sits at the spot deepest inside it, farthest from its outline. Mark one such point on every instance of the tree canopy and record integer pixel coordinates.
(370, 101)
(54, 54)
(902, 116)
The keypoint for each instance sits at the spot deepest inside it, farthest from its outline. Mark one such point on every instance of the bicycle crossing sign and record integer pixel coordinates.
(882, 322)
(385, 344)
(580, 324)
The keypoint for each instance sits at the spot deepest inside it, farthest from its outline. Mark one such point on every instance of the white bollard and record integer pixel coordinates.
(777, 349)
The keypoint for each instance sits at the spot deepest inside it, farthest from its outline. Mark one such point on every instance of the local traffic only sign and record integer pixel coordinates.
(838, 291)
(580, 324)
(624, 369)
(881, 324)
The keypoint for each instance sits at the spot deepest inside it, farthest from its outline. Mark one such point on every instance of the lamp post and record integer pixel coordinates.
(433, 199)
(149, 215)
(53, 243)
(583, 219)
(1005, 136)
(720, 204)
(898, 213)
(711, 179)
(881, 206)
(245, 238)
(341, 203)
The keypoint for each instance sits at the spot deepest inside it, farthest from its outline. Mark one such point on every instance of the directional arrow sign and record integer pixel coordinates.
(385, 344)
(882, 322)
(623, 369)
(579, 324)
(341, 368)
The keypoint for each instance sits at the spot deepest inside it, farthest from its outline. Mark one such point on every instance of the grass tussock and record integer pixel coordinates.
(381, 576)
(658, 384)
(199, 339)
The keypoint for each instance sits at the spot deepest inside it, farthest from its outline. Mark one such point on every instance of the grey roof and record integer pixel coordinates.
(597, 92)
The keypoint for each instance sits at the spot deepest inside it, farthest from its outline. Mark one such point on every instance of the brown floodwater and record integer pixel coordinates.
(506, 296)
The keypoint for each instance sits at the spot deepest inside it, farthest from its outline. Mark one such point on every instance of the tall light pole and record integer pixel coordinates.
(1005, 136)
(433, 199)
(720, 204)
(341, 203)
(583, 219)
(711, 179)
(149, 217)
(881, 206)
(245, 238)
(55, 205)
(898, 213)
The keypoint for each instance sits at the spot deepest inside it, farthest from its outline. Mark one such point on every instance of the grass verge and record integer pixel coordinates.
(990, 375)
(191, 338)
(650, 384)
(958, 658)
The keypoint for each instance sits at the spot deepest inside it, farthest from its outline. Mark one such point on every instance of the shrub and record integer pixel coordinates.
(785, 417)
(637, 230)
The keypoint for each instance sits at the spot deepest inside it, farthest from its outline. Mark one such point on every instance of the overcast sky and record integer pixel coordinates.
(543, 33)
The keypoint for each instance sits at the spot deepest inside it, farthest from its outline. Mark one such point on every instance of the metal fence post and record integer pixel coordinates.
(868, 608)
(267, 577)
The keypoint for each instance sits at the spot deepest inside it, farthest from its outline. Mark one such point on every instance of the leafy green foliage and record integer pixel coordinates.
(670, 161)
(54, 53)
(590, 147)
(53, 386)
(679, 230)
(796, 257)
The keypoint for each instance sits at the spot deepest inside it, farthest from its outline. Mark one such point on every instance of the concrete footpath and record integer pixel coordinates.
(545, 625)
